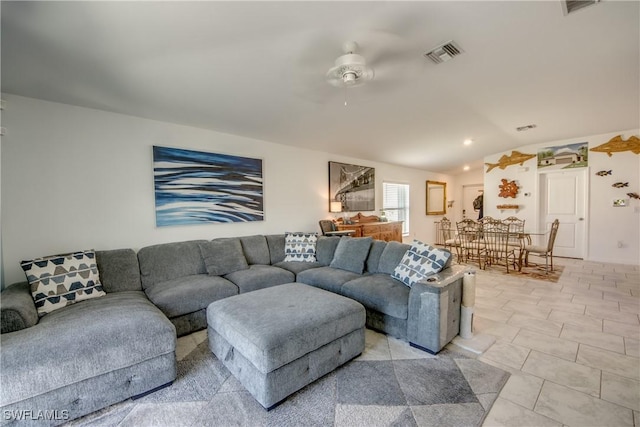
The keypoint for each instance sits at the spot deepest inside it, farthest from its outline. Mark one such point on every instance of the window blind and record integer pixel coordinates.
(395, 203)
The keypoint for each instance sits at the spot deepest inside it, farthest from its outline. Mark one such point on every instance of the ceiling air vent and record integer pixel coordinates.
(444, 52)
(525, 128)
(570, 6)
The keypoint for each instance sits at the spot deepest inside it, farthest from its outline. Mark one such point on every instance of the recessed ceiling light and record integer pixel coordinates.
(468, 141)
(527, 127)
(465, 168)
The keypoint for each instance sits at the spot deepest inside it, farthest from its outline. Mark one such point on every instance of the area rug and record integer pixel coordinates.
(449, 389)
(537, 272)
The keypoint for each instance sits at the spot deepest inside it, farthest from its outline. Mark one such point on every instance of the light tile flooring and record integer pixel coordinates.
(572, 347)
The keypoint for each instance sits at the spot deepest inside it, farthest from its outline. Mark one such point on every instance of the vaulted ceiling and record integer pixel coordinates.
(258, 69)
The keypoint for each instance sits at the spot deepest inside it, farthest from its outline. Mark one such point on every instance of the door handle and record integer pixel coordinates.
(580, 219)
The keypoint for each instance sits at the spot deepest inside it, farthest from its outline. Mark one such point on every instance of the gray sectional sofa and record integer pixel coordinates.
(85, 356)
(97, 352)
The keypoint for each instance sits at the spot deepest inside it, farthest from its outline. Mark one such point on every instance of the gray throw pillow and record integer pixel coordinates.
(391, 256)
(374, 255)
(326, 248)
(351, 254)
(223, 256)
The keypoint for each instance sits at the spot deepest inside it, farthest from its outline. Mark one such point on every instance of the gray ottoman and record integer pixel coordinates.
(277, 340)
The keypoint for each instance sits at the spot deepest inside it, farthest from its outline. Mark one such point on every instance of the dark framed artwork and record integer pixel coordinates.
(353, 186)
(196, 187)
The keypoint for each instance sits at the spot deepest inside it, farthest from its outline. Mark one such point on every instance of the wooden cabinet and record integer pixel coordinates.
(391, 231)
(387, 231)
(371, 230)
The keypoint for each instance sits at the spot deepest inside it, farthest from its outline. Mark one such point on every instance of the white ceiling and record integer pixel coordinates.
(257, 69)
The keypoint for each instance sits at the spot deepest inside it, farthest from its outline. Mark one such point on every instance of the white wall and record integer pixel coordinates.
(607, 225)
(1, 266)
(475, 176)
(75, 178)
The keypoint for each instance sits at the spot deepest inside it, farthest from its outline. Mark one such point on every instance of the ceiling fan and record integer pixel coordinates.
(350, 69)
(388, 53)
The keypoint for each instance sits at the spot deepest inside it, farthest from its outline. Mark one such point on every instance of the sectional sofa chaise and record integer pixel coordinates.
(94, 353)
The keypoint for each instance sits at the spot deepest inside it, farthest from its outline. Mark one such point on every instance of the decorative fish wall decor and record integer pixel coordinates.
(515, 158)
(617, 145)
(633, 195)
(620, 184)
(603, 173)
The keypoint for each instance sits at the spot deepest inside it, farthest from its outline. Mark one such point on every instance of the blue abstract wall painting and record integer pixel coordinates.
(195, 187)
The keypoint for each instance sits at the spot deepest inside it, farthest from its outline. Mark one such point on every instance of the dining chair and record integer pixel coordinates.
(516, 231)
(329, 228)
(498, 249)
(448, 235)
(545, 251)
(326, 225)
(517, 224)
(470, 244)
(487, 220)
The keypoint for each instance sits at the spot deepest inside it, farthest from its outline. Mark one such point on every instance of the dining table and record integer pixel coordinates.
(519, 240)
(339, 233)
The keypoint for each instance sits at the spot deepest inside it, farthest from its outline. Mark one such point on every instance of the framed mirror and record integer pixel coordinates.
(436, 198)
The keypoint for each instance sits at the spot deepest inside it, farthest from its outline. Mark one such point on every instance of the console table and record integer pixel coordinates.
(370, 226)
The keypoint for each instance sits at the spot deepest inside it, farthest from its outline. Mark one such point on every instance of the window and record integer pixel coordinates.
(395, 201)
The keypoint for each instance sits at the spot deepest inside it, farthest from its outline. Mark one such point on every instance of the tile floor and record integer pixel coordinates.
(572, 347)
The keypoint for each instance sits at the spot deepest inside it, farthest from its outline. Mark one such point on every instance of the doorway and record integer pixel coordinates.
(563, 195)
(469, 194)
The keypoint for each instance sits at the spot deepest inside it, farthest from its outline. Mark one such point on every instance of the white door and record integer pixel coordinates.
(563, 196)
(469, 194)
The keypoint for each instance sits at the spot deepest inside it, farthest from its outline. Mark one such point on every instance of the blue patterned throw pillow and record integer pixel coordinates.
(60, 280)
(420, 261)
(300, 247)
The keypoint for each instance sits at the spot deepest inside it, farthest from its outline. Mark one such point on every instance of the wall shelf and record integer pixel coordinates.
(508, 207)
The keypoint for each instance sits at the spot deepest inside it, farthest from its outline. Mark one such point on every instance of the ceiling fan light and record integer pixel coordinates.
(349, 78)
(350, 70)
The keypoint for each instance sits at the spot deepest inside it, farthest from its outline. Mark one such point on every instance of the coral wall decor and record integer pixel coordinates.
(508, 189)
